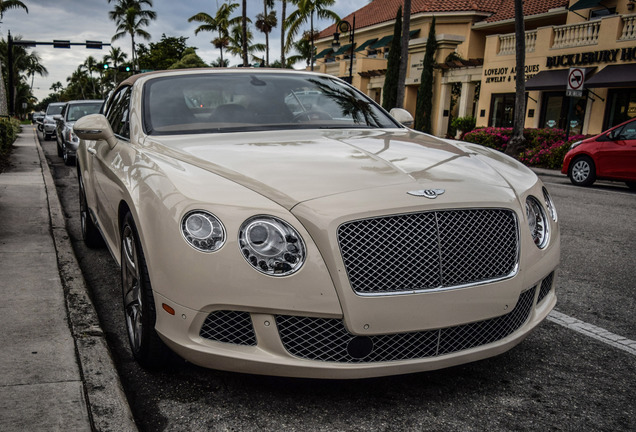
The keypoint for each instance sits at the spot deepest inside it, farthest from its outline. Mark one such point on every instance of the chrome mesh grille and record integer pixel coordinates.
(230, 327)
(436, 249)
(546, 286)
(326, 339)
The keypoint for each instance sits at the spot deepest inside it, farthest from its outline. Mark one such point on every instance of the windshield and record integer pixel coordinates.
(75, 112)
(52, 110)
(235, 102)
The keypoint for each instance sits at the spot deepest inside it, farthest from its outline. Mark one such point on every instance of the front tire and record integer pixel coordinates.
(139, 305)
(582, 171)
(68, 159)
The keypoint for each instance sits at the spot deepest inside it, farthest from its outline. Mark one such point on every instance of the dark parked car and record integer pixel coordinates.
(67, 141)
(48, 123)
(610, 155)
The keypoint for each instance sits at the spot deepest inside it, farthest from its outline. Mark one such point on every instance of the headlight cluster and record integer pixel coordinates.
(71, 137)
(537, 222)
(550, 205)
(575, 144)
(203, 231)
(269, 244)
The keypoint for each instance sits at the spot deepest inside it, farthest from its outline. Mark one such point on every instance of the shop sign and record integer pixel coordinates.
(507, 74)
(592, 57)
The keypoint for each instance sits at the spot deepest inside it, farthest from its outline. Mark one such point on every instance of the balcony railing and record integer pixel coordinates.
(574, 35)
(507, 43)
(629, 28)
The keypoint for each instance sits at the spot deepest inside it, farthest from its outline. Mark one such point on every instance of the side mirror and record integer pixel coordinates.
(402, 116)
(95, 127)
(57, 117)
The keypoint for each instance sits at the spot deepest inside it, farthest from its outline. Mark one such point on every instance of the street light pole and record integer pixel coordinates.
(345, 27)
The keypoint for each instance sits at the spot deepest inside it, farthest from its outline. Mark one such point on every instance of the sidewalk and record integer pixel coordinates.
(56, 373)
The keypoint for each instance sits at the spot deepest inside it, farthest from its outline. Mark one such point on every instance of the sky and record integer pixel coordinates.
(82, 20)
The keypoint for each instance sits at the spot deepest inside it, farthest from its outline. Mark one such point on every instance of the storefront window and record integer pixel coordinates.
(621, 106)
(502, 108)
(554, 112)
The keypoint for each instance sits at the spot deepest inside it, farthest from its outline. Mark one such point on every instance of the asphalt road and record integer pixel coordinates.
(557, 379)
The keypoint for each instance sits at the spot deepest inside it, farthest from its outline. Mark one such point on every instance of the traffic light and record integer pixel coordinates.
(93, 44)
(61, 44)
(124, 68)
(105, 66)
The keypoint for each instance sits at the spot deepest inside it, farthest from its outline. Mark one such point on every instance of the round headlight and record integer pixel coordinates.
(203, 231)
(537, 222)
(271, 245)
(550, 204)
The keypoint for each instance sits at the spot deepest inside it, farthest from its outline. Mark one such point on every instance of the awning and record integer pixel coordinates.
(382, 42)
(323, 53)
(343, 50)
(366, 44)
(584, 4)
(614, 76)
(553, 79)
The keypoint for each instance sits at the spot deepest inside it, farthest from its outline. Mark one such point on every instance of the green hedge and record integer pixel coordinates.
(544, 148)
(9, 129)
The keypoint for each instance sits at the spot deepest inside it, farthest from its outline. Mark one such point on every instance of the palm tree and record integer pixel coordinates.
(266, 22)
(5, 5)
(34, 67)
(90, 65)
(305, 11)
(236, 42)
(56, 87)
(117, 57)
(130, 17)
(77, 83)
(221, 22)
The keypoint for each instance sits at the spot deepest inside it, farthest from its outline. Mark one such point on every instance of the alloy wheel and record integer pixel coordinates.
(131, 285)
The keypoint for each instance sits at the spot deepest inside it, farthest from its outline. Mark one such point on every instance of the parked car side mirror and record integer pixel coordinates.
(95, 127)
(57, 117)
(402, 116)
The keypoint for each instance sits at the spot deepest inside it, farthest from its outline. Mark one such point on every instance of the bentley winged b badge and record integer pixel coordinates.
(428, 193)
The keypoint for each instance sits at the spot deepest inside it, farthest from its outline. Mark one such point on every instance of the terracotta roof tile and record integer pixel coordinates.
(379, 11)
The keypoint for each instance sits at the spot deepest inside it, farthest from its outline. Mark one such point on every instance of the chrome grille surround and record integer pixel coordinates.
(327, 339)
(434, 250)
(232, 327)
(546, 286)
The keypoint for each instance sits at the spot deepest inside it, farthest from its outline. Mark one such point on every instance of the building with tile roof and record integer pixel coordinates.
(475, 58)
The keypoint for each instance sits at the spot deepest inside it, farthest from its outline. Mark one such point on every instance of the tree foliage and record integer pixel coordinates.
(163, 54)
(389, 91)
(424, 107)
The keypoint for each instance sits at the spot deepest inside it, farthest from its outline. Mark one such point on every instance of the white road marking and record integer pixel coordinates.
(593, 331)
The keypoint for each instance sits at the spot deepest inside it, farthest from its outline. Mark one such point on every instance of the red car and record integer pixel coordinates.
(608, 156)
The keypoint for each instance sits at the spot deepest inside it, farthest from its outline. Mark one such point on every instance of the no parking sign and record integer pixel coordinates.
(576, 78)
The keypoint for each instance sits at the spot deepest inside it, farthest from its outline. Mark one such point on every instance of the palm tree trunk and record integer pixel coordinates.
(282, 34)
(517, 140)
(406, 29)
(244, 34)
(311, 55)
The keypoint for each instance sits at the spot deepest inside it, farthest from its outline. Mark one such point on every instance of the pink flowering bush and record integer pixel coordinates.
(544, 148)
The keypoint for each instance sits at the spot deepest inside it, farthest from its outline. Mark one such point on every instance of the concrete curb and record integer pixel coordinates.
(107, 404)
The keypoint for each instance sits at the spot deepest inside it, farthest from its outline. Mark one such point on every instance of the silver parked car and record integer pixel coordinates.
(67, 141)
(48, 123)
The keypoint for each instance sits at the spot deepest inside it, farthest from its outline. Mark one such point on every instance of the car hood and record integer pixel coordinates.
(291, 167)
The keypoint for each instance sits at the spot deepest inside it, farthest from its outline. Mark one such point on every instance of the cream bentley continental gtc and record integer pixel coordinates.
(281, 223)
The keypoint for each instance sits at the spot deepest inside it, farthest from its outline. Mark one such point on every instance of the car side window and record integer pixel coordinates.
(117, 113)
(628, 132)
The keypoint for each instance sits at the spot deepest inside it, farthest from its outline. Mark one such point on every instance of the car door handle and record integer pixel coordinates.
(91, 151)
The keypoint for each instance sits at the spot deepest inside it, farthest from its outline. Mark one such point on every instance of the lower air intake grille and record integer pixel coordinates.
(546, 286)
(429, 250)
(326, 339)
(230, 327)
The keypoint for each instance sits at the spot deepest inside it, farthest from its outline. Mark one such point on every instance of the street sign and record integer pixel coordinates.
(576, 78)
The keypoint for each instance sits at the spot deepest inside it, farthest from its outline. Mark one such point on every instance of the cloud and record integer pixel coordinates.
(81, 20)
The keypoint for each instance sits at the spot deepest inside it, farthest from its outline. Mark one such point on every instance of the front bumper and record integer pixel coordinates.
(315, 347)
